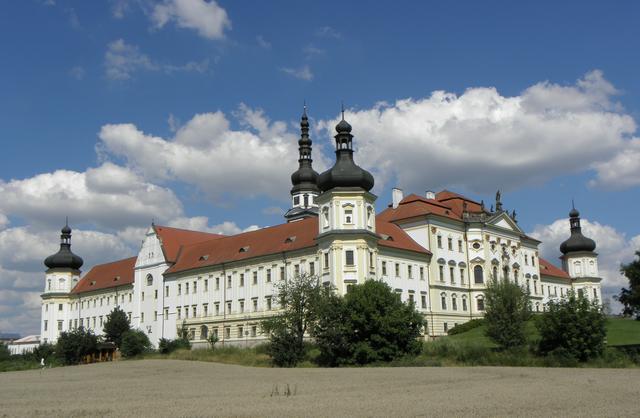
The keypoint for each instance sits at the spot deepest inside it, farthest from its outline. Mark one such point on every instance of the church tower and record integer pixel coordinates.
(304, 179)
(347, 237)
(580, 260)
(61, 276)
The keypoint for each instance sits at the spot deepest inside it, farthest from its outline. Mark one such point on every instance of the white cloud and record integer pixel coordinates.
(123, 60)
(77, 72)
(613, 248)
(201, 223)
(302, 73)
(4, 221)
(119, 8)
(622, 171)
(108, 196)
(263, 42)
(328, 32)
(207, 153)
(311, 51)
(206, 17)
(481, 140)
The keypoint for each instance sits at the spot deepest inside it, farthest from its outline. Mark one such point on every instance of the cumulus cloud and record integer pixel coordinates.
(206, 152)
(613, 247)
(302, 73)
(119, 8)
(622, 171)
(328, 32)
(263, 42)
(123, 60)
(201, 223)
(481, 140)
(108, 196)
(205, 17)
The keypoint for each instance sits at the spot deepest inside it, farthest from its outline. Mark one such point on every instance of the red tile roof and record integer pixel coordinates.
(414, 206)
(274, 240)
(548, 269)
(173, 238)
(108, 275)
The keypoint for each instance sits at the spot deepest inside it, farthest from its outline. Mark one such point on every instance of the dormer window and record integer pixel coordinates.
(204, 257)
(289, 240)
(296, 200)
(243, 249)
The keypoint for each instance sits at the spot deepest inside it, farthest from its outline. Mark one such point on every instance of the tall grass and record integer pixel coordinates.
(256, 356)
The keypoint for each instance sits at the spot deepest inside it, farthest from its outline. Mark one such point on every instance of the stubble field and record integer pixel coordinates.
(161, 388)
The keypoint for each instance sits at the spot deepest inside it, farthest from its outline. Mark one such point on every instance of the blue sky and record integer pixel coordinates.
(537, 99)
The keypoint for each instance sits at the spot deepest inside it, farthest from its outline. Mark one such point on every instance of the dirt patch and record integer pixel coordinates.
(183, 388)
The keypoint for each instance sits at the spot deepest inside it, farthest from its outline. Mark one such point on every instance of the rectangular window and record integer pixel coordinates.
(60, 324)
(205, 309)
(206, 285)
(461, 276)
(227, 332)
(179, 288)
(179, 312)
(166, 291)
(240, 331)
(397, 270)
(441, 273)
(411, 298)
(130, 297)
(450, 244)
(268, 301)
(459, 245)
(155, 316)
(481, 304)
(255, 277)
(217, 308)
(155, 294)
(454, 304)
(141, 319)
(228, 282)
(268, 275)
(326, 260)
(296, 270)
(255, 304)
(348, 257)
(186, 312)
(348, 216)
(423, 301)
(60, 307)
(443, 302)
(464, 304)
(439, 241)
(254, 330)
(241, 279)
(312, 268)
(194, 311)
(421, 273)
(217, 283)
(166, 314)
(142, 296)
(410, 271)
(241, 306)
(195, 286)
(281, 273)
(446, 327)
(186, 288)
(229, 307)
(451, 271)
(46, 325)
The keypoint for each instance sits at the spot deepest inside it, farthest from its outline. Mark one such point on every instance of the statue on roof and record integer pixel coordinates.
(498, 202)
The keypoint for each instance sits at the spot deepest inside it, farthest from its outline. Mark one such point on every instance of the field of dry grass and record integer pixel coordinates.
(186, 388)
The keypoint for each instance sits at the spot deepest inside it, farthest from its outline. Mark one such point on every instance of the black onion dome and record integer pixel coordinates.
(576, 242)
(305, 177)
(64, 258)
(345, 172)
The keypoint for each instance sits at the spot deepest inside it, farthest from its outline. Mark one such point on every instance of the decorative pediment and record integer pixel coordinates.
(503, 220)
(442, 261)
(478, 260)
(495, 262)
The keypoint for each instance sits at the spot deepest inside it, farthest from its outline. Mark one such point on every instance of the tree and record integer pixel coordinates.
(630, 298)
(134, 343)
(212, 340)
(507, 309)
(573, 327)
(299, 298)
(369, 324)
(4, 352)
(116, 325)
(73, 346)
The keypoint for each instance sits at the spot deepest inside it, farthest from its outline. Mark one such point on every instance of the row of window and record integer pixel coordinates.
(410, 270)
(463, 300)
(241, 332)
(450, 244)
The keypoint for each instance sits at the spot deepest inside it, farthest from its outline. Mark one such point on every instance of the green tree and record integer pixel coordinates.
(134, 343)
(116, 325)
(573, 327)
(507, 309)
(299, 299)
(73, 346)
(213, 340)
(4, 352)
(369, 324)
(630, 298)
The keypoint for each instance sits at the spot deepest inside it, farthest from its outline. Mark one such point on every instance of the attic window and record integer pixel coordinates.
(92, 283)
(290, 239)
(204, 257)
(243, 249)
(115, 279)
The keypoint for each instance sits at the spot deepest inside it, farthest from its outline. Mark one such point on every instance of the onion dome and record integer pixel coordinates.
(305, 177)
(576, 242)
(345, 172)
(64, 258)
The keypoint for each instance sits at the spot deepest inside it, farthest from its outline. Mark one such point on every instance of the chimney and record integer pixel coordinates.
(430, 194)
(396, 197)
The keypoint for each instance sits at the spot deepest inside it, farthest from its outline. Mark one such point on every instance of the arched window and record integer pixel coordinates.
(204, 332)
(478, 274)
(578, 268)
(149, 280)
(480, 303)
(454, 302)
(49, 284)
(464, 303)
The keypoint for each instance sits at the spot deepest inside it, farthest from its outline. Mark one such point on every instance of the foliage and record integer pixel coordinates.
(4, 352)
(166, 346)
(74, 345)
(300, 299)
(256, 356)
(623, 331)
(183, 331)
(134, 343)
(116, 325)
(507, 310)
(630, 298)
(370, 324)
(466, 326)
(572, 327)
(44, 351)
(212, 340)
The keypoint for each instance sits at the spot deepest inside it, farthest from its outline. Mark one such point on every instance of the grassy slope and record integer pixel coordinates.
(619, 332)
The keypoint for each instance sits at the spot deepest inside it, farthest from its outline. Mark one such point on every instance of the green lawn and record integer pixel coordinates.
(620, 331)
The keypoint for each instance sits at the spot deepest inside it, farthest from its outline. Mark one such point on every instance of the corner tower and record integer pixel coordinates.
(304, 179)
(347, 237)
(61, 276)
(580, 260)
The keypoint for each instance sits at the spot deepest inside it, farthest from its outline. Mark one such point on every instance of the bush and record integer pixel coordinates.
(573, 327)
(507, 311)
(166, 346)
(4, 352)
(134, 343)
(466, 326)
(44, 351)
(116, 325)
(73, 346)
(370, 324)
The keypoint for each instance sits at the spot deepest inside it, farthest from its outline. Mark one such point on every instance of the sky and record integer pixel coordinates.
(186, 112)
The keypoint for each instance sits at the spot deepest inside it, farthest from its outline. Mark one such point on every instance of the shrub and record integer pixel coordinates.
(166, 346)
(44, 351)
(4, 352)
(466, 326)
(73, 346)
(370, 324)
(134, 343)
(573, 327)
(507, 311)
(116, 325)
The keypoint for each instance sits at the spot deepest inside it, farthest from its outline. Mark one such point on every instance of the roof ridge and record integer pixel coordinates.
(113, 262)
(190, 230)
